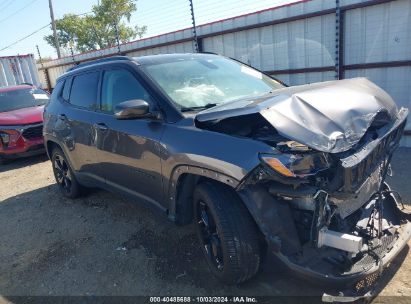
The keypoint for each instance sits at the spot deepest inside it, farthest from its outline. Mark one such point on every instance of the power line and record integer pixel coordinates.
(35, 32)
(18, 11)
(5, 4)
(25, 37)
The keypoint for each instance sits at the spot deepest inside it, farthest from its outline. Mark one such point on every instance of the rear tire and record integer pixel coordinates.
(228, 234)
(64, 175)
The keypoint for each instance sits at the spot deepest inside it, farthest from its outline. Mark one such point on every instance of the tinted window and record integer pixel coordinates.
(57, 90)
(66, 90)
(22, 98)
(119, 86)
(84, 90)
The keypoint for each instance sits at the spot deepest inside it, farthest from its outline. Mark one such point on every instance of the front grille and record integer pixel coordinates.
(358, 167)
(367, 282)
(371, 258)
(33, 132)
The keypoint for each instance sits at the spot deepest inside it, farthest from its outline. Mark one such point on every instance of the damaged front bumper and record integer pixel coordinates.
(325, 266)
(341, 237)
(361, 280)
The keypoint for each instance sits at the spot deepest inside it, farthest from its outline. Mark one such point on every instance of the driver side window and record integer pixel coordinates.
(118, 86)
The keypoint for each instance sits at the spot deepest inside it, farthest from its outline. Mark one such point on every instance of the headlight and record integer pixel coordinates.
(297, 165)
(278, 166)
(9, 137)
(5, 138)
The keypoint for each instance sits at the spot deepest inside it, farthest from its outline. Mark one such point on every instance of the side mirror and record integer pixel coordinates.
(132, 109)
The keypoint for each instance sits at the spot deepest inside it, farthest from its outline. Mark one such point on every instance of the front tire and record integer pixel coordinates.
(64, 176)
(228, 234)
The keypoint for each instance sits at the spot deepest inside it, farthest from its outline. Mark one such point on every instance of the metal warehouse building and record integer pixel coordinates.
(18, 69)
(303, 42)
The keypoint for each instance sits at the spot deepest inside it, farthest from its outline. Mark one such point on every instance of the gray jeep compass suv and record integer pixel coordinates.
(294, 175)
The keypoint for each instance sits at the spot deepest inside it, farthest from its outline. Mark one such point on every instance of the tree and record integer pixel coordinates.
(97, 30)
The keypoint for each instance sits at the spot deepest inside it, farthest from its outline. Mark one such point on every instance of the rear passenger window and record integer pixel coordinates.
(84, 90)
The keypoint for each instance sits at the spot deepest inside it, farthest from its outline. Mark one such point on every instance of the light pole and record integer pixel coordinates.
(53, 25)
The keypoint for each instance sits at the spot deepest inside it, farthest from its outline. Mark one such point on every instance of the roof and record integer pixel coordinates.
(16, 56)
(15, 88)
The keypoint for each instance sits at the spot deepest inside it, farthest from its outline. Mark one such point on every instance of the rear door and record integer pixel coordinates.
(80, 96)
(128, 150)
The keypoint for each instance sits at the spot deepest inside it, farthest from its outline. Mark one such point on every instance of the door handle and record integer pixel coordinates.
(101, 126)
(62, 116)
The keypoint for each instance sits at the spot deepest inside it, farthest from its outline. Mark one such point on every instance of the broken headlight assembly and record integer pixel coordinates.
(297, 164)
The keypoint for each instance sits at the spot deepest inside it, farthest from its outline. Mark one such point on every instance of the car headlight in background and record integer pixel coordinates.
(5, 138)
(9, 138)
(297, 165)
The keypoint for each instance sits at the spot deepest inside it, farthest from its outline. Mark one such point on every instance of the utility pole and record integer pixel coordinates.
(53, 25)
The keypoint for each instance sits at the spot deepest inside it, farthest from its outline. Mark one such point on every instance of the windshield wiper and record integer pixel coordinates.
(198, 108)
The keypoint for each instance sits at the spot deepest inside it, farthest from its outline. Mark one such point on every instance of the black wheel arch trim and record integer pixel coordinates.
(182, 169)
(52, 140)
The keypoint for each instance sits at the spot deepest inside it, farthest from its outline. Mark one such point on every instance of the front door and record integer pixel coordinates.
(128, 150)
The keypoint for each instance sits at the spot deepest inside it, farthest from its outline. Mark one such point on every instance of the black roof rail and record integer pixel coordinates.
(102, 60)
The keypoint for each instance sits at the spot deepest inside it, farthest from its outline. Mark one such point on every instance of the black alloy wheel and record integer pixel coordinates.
(209, 234)
(228, 235)
(64, 175)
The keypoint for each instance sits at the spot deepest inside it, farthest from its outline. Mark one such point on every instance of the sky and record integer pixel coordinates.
(19, 18)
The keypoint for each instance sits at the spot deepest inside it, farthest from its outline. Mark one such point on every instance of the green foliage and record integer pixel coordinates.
(97, 30)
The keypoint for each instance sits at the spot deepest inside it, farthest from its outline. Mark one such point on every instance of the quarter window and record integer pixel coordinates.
(119, 86)
(66, 90)
(84, 90)
(57, 89)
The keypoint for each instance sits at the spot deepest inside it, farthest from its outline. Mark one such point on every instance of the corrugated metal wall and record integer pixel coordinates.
(297, 43)
(292, 45)
(381, 33)
(18, 69)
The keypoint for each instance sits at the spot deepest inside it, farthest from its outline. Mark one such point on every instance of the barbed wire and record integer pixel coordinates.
(159, 23)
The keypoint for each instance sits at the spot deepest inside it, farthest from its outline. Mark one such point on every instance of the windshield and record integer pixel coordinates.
(195, 82)
(23, 98)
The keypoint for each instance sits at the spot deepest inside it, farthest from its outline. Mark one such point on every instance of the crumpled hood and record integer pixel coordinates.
(327, 116)
(22, 116)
